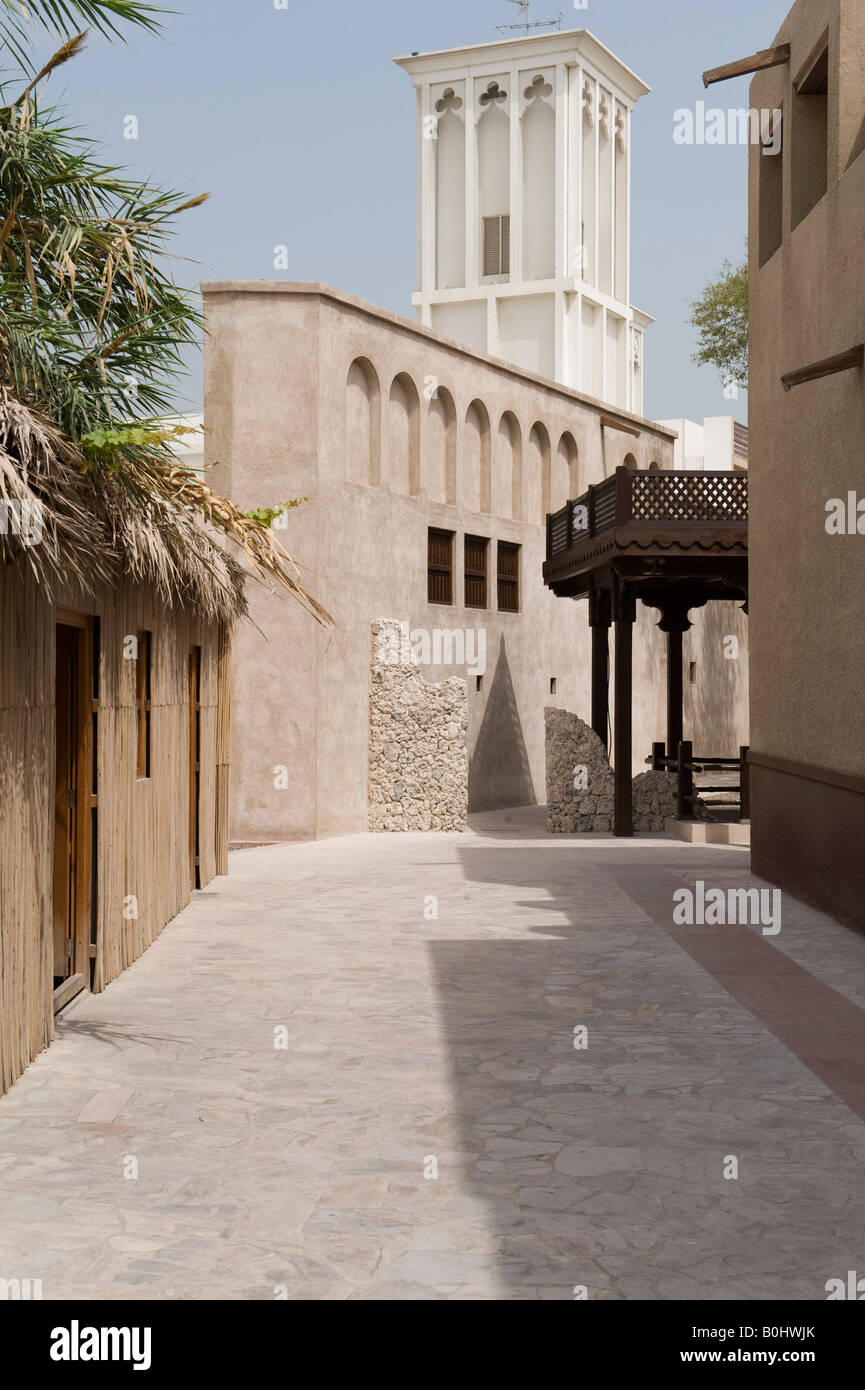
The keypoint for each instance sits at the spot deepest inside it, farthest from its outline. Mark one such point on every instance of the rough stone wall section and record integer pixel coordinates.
(418, 751)
(581, 787)
(654, 800)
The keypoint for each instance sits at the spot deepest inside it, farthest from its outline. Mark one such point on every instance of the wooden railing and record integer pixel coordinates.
(646, 500)
(687, 766)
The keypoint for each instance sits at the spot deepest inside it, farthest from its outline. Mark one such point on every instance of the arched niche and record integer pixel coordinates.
(494, 188)
(450, 175)
(586, 256)
(403, 436)
(605, 192)
(475, 469)
(508, 469)
(440, 452)
(363, 423)
(537, 471)
(566, 472)
(539, 181)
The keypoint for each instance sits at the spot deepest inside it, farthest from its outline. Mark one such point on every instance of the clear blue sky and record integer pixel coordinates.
(303, 130)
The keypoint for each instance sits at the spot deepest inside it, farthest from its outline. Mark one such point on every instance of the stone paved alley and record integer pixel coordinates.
(302, 1168)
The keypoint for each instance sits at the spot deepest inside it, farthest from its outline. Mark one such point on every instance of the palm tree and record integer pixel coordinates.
(92, 325)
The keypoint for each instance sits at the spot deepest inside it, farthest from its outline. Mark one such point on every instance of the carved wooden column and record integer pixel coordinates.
(674, 622)
(599, 619)
(623, 751)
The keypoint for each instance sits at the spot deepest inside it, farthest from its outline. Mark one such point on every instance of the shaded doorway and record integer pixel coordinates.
(194, 765)
(74, 806)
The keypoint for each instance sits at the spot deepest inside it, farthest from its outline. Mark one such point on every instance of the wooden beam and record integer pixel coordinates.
(70, 988)
(744, 784)
(829, 366)
(70, 617)
(766, 58)
(601, 682)
(675, 691)
(608, 424)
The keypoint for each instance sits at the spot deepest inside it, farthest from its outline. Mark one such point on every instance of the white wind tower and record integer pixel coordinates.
(524, 207)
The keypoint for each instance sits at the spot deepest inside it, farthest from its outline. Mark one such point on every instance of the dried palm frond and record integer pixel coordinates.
(162, 515)
(47, 518)
(70, 49)
(180, 491)
(147, 519)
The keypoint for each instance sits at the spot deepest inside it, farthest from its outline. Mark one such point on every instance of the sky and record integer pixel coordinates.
(299, 125)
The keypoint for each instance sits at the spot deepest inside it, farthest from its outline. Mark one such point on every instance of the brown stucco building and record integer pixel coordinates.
(807, 404)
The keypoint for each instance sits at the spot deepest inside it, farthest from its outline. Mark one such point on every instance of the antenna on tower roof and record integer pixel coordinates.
(526, 23)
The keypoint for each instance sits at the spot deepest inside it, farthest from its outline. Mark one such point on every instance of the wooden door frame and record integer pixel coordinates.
(86, 802)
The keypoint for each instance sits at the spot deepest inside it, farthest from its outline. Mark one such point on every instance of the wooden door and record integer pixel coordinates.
(66, 804)
(194, 762)
(74, 805)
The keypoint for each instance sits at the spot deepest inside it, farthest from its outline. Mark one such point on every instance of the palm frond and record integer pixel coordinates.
(93, 332)
(70, 49)
(64, 17)
(92, 325)
(154, 484)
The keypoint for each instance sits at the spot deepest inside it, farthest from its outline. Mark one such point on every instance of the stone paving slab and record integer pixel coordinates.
(164, 1147)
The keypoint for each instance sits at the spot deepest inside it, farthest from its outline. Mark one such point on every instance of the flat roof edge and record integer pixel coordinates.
(316, 288)
(410, 61)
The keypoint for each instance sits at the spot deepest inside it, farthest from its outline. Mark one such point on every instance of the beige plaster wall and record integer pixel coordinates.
(277, 360)
(807, 588)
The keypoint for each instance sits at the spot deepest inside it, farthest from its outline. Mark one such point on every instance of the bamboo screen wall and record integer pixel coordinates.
(26, 826)
(143, 826)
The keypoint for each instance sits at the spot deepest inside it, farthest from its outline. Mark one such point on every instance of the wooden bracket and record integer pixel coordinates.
(843, 362)
(766, 58)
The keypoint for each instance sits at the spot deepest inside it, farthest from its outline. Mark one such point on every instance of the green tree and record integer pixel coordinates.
(92, 325)
(720, 316)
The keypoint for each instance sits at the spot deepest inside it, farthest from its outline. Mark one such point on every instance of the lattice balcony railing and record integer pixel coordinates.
(689, 497)
(634, 498)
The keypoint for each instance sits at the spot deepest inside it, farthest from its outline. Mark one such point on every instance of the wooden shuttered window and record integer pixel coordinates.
(142, 701)
(508, 577)
(497, 245)
(475, 570)
(440, 566)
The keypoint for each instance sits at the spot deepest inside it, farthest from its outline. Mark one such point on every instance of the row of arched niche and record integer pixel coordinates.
(491, 470)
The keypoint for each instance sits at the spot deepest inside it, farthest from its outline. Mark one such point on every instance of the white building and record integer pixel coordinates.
(720, 444)
(523, 208)
(188, 448)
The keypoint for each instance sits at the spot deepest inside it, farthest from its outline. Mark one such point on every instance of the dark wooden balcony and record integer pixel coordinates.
(673, 541)
(646, 517)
